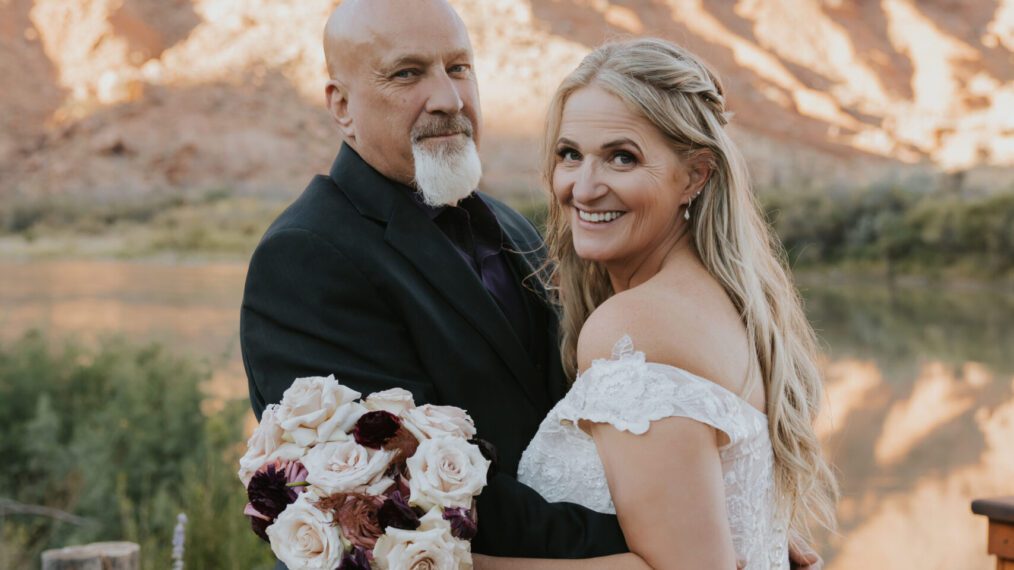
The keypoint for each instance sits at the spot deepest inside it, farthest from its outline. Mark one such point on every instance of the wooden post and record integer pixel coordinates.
(1000, 512)
(95, 556)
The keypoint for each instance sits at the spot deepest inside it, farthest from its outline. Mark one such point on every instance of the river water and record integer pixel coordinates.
(920, 387)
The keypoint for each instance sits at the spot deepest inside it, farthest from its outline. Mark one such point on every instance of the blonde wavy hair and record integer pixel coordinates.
(684, 99)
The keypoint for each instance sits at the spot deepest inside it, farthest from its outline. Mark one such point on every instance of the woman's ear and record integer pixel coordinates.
(336, 96)
(700, 165)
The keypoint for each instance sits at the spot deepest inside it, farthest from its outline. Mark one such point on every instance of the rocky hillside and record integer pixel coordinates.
(107, 98)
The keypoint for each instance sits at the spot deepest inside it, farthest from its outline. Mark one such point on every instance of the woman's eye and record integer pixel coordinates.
(624, 159)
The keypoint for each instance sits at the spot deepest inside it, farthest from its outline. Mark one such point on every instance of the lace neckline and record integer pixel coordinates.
(623, 350)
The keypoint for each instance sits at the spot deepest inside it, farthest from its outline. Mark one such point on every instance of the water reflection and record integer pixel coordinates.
(192, 308)
(920, 389)
(921, 401)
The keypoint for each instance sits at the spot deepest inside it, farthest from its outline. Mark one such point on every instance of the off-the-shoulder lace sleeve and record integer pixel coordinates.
(563, 465)
(629, 394)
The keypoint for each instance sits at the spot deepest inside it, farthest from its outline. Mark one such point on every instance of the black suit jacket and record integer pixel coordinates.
(354, 279)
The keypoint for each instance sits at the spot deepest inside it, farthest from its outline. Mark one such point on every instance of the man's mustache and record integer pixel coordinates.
(442, 126)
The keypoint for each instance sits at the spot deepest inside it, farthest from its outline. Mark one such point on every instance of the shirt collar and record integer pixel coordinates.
(431, 211)
(482, 222)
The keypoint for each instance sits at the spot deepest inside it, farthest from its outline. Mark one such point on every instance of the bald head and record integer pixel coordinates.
(358, 24)
(402, 79)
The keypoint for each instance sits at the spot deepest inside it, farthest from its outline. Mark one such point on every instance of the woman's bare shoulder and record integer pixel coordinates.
(649, 316)
(688, 329)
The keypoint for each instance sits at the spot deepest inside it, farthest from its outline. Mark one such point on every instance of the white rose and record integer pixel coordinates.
(303, 536)
(446, 472)
(346, 466)
(395, 400)
(265, 445)
(319, 410)
(429, 421)
(434, 519)
(401, 549)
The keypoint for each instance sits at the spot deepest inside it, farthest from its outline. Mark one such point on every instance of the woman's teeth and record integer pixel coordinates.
(598, 217)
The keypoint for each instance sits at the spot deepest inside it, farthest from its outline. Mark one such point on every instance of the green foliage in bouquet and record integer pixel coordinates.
(116, 437)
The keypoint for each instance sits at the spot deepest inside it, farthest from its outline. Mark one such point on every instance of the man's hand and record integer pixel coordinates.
(801, 556)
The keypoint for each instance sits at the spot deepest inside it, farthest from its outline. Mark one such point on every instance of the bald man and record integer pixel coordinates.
(393, 272)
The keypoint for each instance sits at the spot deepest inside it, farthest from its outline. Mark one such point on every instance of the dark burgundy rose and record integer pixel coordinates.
(260, 528)
(269, 491)
(258, 522)
(396, 513)
(357, 559)
(488, 451)
(374, 428)
(463, 522)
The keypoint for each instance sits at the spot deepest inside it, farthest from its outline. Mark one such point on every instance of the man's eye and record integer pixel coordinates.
(569, 155)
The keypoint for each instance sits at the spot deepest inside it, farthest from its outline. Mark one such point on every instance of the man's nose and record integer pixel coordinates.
(588, 184)
(444, 97)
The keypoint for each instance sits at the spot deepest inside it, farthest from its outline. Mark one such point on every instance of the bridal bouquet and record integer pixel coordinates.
(335, 482)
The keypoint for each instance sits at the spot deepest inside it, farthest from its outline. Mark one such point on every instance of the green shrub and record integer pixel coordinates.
(116, 435)
(900, 229)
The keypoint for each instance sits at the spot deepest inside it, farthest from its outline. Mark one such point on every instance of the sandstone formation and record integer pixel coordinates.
(106, 98)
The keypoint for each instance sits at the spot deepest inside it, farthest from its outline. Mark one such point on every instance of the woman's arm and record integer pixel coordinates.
(615, 562)
(669, 492)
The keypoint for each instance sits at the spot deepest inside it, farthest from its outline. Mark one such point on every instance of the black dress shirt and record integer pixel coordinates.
(475, 233)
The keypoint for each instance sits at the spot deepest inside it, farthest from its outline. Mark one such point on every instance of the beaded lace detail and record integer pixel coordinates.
(562, 464)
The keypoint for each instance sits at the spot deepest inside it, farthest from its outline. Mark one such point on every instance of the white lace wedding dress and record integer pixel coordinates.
(562, 464)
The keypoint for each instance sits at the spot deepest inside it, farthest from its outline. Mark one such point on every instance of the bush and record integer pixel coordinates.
(898, 228)
(116, 435)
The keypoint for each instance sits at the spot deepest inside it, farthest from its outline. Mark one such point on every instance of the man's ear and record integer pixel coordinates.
(337, 98)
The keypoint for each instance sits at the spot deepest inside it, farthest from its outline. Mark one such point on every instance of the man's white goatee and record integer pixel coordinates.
(447, 175)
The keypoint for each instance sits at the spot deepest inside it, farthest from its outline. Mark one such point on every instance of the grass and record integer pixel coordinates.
(883, 230)
(214, 223)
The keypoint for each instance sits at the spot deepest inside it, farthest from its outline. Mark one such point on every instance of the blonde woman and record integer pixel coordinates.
(696, 382)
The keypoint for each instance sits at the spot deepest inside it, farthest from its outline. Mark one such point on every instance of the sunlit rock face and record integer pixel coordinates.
(127, 96)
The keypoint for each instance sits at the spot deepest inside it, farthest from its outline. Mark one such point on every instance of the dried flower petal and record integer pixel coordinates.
(358, 520)
(404, 442)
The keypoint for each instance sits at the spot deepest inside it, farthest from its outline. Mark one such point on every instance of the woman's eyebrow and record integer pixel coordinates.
(621, 142)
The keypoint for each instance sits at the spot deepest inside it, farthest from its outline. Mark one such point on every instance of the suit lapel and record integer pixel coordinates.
(420, 241)
(528, 261)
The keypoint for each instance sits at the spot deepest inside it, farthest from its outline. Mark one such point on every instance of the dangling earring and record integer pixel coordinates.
(686, 214)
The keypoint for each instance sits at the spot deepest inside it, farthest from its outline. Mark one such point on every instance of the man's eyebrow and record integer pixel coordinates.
(458, 54)
(407, 60)
(417, 60)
